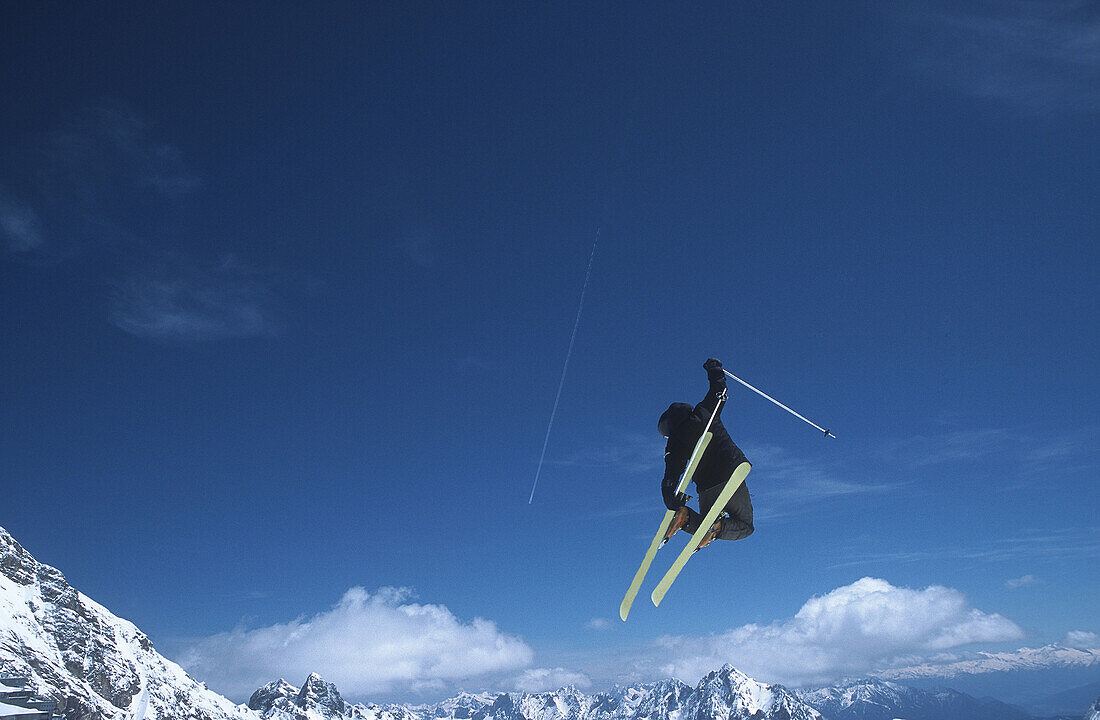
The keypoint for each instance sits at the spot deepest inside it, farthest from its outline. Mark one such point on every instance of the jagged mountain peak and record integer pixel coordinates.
(93, 663)
(266, 697)
(728, 692)
(315, 691)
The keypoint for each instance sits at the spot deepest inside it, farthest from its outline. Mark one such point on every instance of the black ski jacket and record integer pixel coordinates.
(722, 454)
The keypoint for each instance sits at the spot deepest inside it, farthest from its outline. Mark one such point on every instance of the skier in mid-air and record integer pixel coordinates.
(683, 425)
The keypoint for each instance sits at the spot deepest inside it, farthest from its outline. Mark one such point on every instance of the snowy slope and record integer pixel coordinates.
(879, 700)
(1094, 711)
(76, 652)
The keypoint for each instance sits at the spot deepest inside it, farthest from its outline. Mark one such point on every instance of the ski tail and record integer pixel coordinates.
(639, 576)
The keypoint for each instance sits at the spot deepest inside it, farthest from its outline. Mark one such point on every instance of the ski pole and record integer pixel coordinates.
(792, 412)
(699, 445)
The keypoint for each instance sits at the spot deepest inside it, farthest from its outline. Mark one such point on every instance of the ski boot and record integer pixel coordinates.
(715, 531)
(679, 520)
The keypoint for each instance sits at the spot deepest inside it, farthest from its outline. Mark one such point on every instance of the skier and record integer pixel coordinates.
(682, 425)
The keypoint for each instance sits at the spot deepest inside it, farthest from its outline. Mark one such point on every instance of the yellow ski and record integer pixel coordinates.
(738, 477)
(636, 583)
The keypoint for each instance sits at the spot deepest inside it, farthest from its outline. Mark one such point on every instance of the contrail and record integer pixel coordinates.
(561, 384)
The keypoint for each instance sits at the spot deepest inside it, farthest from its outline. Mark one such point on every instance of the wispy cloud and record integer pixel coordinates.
(1069, 453)
(789, 485)
(367, 643)
(1042, 55)
(185, 303)
(544, 679)
(598, 623)
(632, 453)
(99, 181)
(99, 171)
(951, 447)
(19, 225)
(1074, 543)
(647, 505)
(109, 151)
(1022, 581)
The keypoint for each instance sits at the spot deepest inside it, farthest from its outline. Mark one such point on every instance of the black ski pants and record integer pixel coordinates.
(739, 523)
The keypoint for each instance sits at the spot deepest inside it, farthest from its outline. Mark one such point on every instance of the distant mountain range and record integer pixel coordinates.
(1024, 659)
(100, 667)
(1049, 680)
(882, 700)
(725, 694)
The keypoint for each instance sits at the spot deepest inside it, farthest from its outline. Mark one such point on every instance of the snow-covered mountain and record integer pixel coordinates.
(319, 700)
(880, 700)
(727, 694)
(97, 666)
(461, 707)
(1040, 680)
(1094, 711)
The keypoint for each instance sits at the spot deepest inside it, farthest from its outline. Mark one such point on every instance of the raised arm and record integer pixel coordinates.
(717, 380)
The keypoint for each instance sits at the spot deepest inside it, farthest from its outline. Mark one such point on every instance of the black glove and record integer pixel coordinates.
(713, 366)
(673, 500)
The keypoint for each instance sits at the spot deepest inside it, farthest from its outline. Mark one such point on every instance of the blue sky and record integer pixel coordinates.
(287, 292)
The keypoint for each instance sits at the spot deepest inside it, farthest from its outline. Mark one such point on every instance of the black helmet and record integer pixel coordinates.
(671, 418)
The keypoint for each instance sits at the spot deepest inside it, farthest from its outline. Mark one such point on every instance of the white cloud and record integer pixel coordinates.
(367, 643)
(598, 624)
(852, 630)
(543, 679)
(1082, 640)
(1022, 581)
